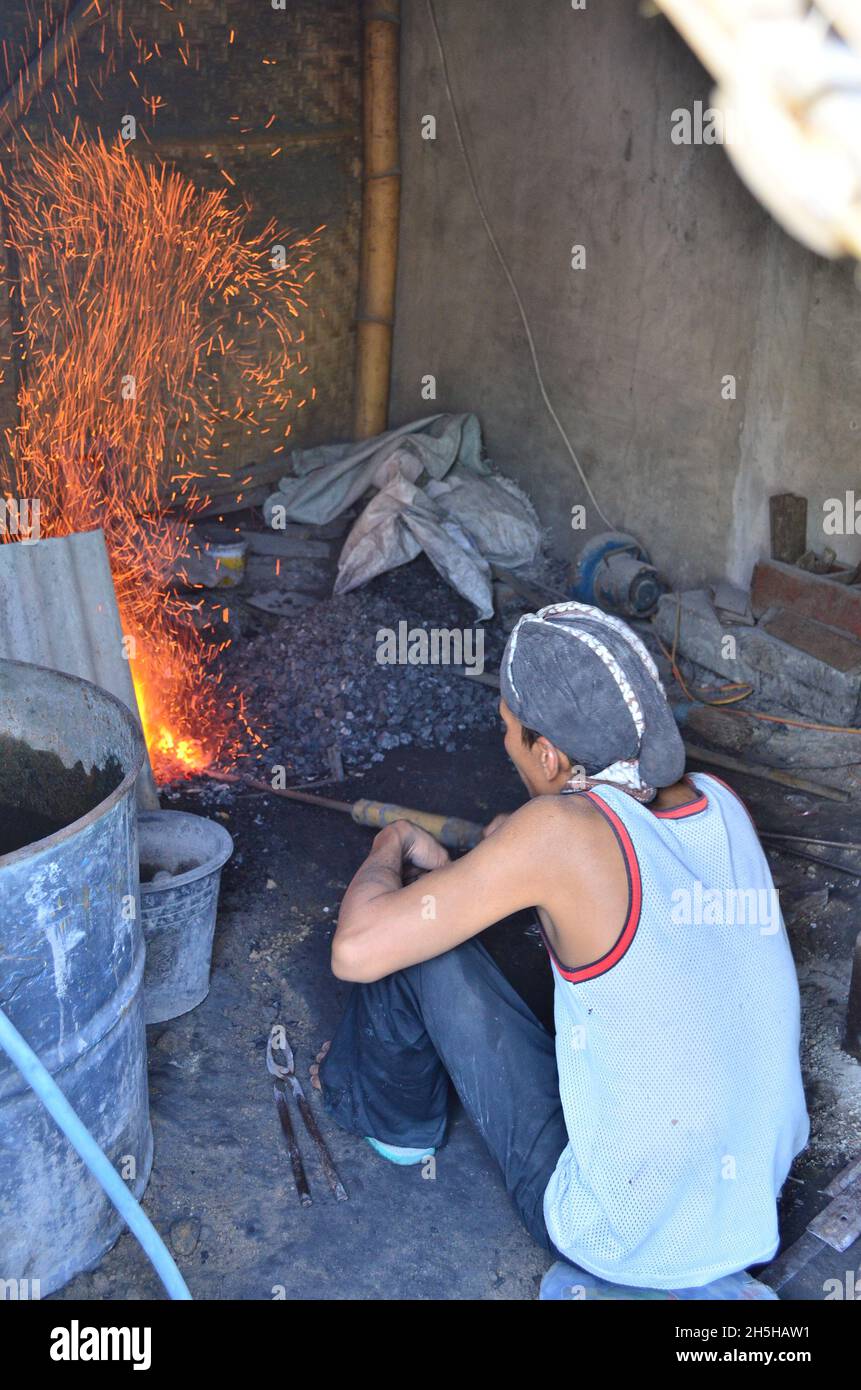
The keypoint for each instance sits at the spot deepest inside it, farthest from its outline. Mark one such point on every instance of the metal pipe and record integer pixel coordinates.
(380, 216)
(767, 774)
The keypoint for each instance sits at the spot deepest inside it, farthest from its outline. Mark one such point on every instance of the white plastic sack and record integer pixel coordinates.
(495, 513)
(436, 493)
(398, 523)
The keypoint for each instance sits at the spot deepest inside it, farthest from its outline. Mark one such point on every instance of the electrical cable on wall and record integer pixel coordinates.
(508, 275)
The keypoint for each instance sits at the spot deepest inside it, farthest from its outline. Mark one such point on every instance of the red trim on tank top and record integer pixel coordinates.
(687, 808)
(635, 903)
(742, 803)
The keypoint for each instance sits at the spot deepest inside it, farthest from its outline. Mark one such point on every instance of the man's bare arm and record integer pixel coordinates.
(383, 927)
(382, 871)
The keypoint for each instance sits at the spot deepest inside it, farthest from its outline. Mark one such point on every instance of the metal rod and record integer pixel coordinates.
(815, 859)
(809, 840)
(291, 793)
(299, 1175)
(766, 774)
(326, 1160)
(348, 807)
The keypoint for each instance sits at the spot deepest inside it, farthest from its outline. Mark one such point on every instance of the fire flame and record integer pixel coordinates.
(188, 753)
(147, 318)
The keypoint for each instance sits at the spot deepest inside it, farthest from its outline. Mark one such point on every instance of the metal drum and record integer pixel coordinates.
(71, 966)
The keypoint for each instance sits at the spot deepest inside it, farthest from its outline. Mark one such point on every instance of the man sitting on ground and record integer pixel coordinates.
(647, 1143)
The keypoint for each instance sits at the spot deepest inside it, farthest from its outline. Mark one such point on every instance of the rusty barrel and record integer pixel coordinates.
(71, 967)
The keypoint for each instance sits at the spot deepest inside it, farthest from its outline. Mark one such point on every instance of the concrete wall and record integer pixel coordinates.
(567, 115)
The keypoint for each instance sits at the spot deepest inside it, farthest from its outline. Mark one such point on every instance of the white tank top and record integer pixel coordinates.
(678, 1056)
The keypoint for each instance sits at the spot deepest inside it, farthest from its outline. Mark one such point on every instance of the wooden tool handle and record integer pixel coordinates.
(451, 831)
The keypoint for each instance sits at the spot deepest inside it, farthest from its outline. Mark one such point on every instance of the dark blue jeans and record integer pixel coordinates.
(455, 1019)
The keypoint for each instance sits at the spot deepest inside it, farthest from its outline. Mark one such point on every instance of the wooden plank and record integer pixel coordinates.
(845, 1178)
(788, 514)
(791, 1262)
(827, 644)
(839, 1225)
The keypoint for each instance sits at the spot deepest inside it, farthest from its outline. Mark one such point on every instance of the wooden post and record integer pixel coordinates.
(380, 216)
(788, 515)
(852, 1036)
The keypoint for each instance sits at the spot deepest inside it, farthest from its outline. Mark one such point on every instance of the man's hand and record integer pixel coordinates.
(384, 926)
(419, 848)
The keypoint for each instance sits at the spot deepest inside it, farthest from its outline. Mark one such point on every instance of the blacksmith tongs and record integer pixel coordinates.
(285, 1075)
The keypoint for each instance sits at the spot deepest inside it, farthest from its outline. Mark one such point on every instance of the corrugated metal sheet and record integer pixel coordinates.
(58, 609)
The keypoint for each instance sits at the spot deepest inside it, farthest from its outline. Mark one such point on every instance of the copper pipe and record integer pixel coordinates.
(380, 215)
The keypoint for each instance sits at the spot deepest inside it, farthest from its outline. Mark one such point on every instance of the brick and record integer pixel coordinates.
(775, 585)
(782, 676)
(826, 644)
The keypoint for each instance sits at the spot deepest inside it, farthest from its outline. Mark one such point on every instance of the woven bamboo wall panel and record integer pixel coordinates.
(274, 97)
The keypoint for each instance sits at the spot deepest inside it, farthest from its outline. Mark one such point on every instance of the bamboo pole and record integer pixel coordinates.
(380, 216)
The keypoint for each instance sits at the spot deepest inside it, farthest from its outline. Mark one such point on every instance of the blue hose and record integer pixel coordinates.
(49, 1093)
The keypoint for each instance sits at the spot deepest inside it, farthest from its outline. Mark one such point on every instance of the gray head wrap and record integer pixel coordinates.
(586, 682)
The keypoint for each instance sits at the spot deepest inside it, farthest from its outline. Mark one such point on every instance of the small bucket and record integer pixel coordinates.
(215, 565)
(229, 563)
(181, 858)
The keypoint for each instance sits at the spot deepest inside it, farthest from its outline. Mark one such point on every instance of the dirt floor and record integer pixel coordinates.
(221, 1189)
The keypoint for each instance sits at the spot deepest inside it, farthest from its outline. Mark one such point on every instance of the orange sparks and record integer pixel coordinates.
(148, 310)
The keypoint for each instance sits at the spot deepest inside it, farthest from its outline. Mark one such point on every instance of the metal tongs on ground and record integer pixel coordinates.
(285, 1075)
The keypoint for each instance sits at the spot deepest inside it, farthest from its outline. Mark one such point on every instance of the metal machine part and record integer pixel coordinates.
(615, 573)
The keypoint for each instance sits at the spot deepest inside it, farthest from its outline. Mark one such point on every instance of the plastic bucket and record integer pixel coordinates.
(229, 564)
(181, 858)
(215, 565)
